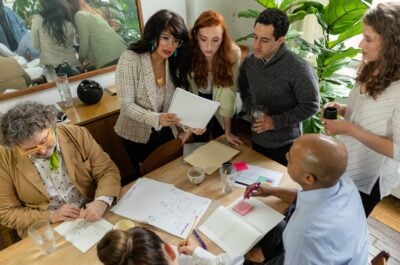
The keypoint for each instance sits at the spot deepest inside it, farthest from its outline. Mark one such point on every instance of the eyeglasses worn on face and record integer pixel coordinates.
(48, 142)
(166, 39)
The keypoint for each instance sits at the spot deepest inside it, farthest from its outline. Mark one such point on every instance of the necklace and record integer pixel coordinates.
(159, 72)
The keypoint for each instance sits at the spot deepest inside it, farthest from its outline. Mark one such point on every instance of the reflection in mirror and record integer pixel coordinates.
(39, 38)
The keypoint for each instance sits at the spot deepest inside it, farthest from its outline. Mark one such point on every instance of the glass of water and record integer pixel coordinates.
(42, 235)
(257, 112)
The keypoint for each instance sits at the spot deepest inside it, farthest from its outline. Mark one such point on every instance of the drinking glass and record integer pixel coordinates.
(228, 177)
(63, 89)
(257, 112)
(42, 235)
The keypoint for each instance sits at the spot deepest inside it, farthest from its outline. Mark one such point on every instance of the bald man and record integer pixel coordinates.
(326, 222)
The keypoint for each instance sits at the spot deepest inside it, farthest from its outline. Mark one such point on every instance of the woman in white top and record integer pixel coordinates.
(53, 34)
(371, 125)
(141, 246)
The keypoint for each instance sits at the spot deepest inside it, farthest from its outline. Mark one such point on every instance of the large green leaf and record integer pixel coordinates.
(333, 67)
(353, 31)
(313, 125)
(349, 53)
(341, 15)
(267, 3)
(249, 13)
(248, 36)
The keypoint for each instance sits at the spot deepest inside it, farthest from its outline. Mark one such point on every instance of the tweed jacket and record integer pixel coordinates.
(23, 196)
(226, 96)
(135, 82)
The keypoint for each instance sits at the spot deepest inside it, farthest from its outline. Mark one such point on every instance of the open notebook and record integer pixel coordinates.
(162, 205)
(237, 234)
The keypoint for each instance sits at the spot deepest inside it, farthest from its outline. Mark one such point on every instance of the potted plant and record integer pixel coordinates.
(339, 20)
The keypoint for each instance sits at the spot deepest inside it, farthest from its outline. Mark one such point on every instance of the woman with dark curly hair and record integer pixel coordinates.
(146, 77)
(140, 246)
(371, 125)
(213, 73)
(53, 34)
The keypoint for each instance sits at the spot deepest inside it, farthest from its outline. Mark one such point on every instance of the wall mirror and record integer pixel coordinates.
(124, 17)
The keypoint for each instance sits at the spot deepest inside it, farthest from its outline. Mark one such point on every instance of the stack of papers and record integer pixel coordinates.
(162, 205)
(211, 156)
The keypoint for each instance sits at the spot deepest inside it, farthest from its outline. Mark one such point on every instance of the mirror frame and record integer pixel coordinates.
(104, 70)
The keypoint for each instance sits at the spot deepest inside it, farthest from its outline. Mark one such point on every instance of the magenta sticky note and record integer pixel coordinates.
(240, 166)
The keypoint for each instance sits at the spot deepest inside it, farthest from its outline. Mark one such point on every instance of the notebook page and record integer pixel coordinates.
(262, 217)
(229, 232)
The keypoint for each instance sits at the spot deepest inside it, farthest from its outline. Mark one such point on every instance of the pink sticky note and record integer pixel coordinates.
(240, 166)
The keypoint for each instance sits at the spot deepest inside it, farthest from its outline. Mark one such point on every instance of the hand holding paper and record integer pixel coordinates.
(193, 111)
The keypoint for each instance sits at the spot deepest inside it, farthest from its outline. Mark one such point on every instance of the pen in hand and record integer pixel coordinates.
(251, 189)
(197, 236)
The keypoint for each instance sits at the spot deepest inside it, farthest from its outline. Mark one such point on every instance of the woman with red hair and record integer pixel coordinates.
(215, 61)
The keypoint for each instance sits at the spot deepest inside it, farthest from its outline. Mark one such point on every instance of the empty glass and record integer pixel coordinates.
(228, 177)
(42, 235)
(63, 89)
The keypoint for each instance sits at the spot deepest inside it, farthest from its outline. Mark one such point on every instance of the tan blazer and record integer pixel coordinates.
(23, 196)
(135, 82)
(12, 75)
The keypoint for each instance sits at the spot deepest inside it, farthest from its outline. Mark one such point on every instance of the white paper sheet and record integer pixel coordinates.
(162, 205)
(83, 234)
(258, 174)
(194, 111)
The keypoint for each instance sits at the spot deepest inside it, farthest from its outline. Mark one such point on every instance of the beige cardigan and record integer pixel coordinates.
(135, 82)
(23, 196)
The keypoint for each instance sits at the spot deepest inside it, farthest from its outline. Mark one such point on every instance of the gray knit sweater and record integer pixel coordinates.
(287, 86)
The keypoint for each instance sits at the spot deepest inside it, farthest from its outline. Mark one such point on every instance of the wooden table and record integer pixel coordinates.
(24, 252)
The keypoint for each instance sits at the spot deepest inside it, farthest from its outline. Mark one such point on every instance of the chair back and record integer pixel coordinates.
(8, 237)
(162, 155)
(381, 258)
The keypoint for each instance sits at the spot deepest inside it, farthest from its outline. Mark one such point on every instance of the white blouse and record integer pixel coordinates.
(381, 117)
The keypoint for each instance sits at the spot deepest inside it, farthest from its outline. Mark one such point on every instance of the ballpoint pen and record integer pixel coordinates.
(203, 245)
(254, 188)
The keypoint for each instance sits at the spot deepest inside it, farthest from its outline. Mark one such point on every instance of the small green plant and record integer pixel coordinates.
(339, 20)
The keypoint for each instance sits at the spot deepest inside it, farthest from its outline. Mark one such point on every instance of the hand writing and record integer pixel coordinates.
(65, 213)
(94, 211)
(188, 248)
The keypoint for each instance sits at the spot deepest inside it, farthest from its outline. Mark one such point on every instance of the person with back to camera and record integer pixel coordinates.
(50, 171)
(370, 129)
(146, 77)
(53, 34)
(214, 68)
(140, 246)
(326, 223)
(98, 42)
(12, 27)
(275, 78)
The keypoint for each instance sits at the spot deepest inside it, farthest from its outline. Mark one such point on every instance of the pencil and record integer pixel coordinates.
(190, 231)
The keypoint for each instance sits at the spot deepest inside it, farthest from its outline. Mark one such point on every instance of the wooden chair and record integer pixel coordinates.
(162, 155)
(381, 258)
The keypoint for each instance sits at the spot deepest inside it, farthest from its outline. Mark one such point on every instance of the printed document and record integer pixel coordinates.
(193, 110)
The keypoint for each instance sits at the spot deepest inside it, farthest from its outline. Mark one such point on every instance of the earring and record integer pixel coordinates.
(176, 53)
(152, 47)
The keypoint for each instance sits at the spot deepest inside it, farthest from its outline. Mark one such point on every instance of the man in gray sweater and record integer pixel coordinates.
(279, 80)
